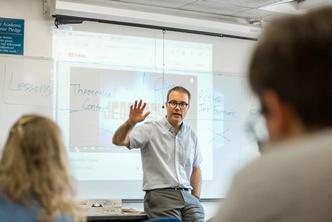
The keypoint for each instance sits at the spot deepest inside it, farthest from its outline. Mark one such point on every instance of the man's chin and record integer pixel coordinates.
(176, 121)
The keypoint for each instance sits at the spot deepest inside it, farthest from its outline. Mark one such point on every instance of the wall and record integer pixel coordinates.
(37, 26)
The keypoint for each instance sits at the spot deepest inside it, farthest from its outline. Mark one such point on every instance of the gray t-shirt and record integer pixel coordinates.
(290, 183)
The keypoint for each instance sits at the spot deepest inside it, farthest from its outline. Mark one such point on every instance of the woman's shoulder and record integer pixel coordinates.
(63, 218)
(11, 211)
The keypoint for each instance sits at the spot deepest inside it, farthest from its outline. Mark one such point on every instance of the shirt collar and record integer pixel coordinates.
(170, 127)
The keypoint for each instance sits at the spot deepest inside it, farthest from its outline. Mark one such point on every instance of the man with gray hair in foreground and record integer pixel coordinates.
(291, 73)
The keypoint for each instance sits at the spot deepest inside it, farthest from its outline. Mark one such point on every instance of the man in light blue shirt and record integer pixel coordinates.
(170, 157)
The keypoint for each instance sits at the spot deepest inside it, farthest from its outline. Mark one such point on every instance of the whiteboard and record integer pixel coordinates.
(94, 100)
(26, 86)
(90, 101)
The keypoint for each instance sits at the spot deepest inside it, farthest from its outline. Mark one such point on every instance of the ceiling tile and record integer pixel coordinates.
(248, 3)
(253, 13)
(244, 9)
(214, 7)
(159, 3)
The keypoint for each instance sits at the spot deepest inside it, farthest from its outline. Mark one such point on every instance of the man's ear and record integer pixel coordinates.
(277, 118)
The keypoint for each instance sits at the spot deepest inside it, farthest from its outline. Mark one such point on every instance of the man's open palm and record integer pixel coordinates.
(137, 112)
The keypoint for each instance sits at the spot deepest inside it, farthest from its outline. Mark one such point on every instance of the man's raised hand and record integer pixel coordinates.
(136, 113)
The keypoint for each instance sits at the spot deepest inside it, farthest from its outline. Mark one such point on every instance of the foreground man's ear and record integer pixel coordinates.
(281, 119)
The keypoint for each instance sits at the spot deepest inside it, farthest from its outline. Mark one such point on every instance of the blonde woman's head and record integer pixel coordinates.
(33, 166)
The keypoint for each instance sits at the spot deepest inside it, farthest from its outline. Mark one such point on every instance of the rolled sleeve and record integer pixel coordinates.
(139, 136)
(198, 155)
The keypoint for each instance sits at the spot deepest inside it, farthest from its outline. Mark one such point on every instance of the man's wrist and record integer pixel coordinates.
(130, 123)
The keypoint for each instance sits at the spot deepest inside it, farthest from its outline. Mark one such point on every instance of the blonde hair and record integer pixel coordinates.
(33, 166)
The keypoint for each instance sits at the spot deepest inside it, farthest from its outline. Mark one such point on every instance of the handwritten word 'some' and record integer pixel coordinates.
(116, 109)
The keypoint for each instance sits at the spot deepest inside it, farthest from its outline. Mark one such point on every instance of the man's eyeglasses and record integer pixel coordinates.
(173, 104)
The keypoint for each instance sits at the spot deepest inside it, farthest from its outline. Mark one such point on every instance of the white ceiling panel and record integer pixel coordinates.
(214, 7)
(242, 9)
(253, 13)
(159, 3)
(248, 3)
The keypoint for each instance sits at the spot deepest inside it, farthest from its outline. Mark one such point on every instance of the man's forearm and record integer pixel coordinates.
(196, 181)
(121, 135)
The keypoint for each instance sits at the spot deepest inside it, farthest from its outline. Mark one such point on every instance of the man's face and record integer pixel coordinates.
(177, 107)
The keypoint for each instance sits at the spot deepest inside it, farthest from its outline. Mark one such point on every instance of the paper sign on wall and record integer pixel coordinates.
(11, 36)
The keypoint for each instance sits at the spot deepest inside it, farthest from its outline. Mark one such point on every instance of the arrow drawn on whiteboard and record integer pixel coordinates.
(222, 135)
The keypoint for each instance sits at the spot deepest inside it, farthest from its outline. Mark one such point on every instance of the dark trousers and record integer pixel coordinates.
(173, 203)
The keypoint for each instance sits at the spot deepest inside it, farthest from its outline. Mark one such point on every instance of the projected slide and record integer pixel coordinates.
(102, 98)
(99, 103)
